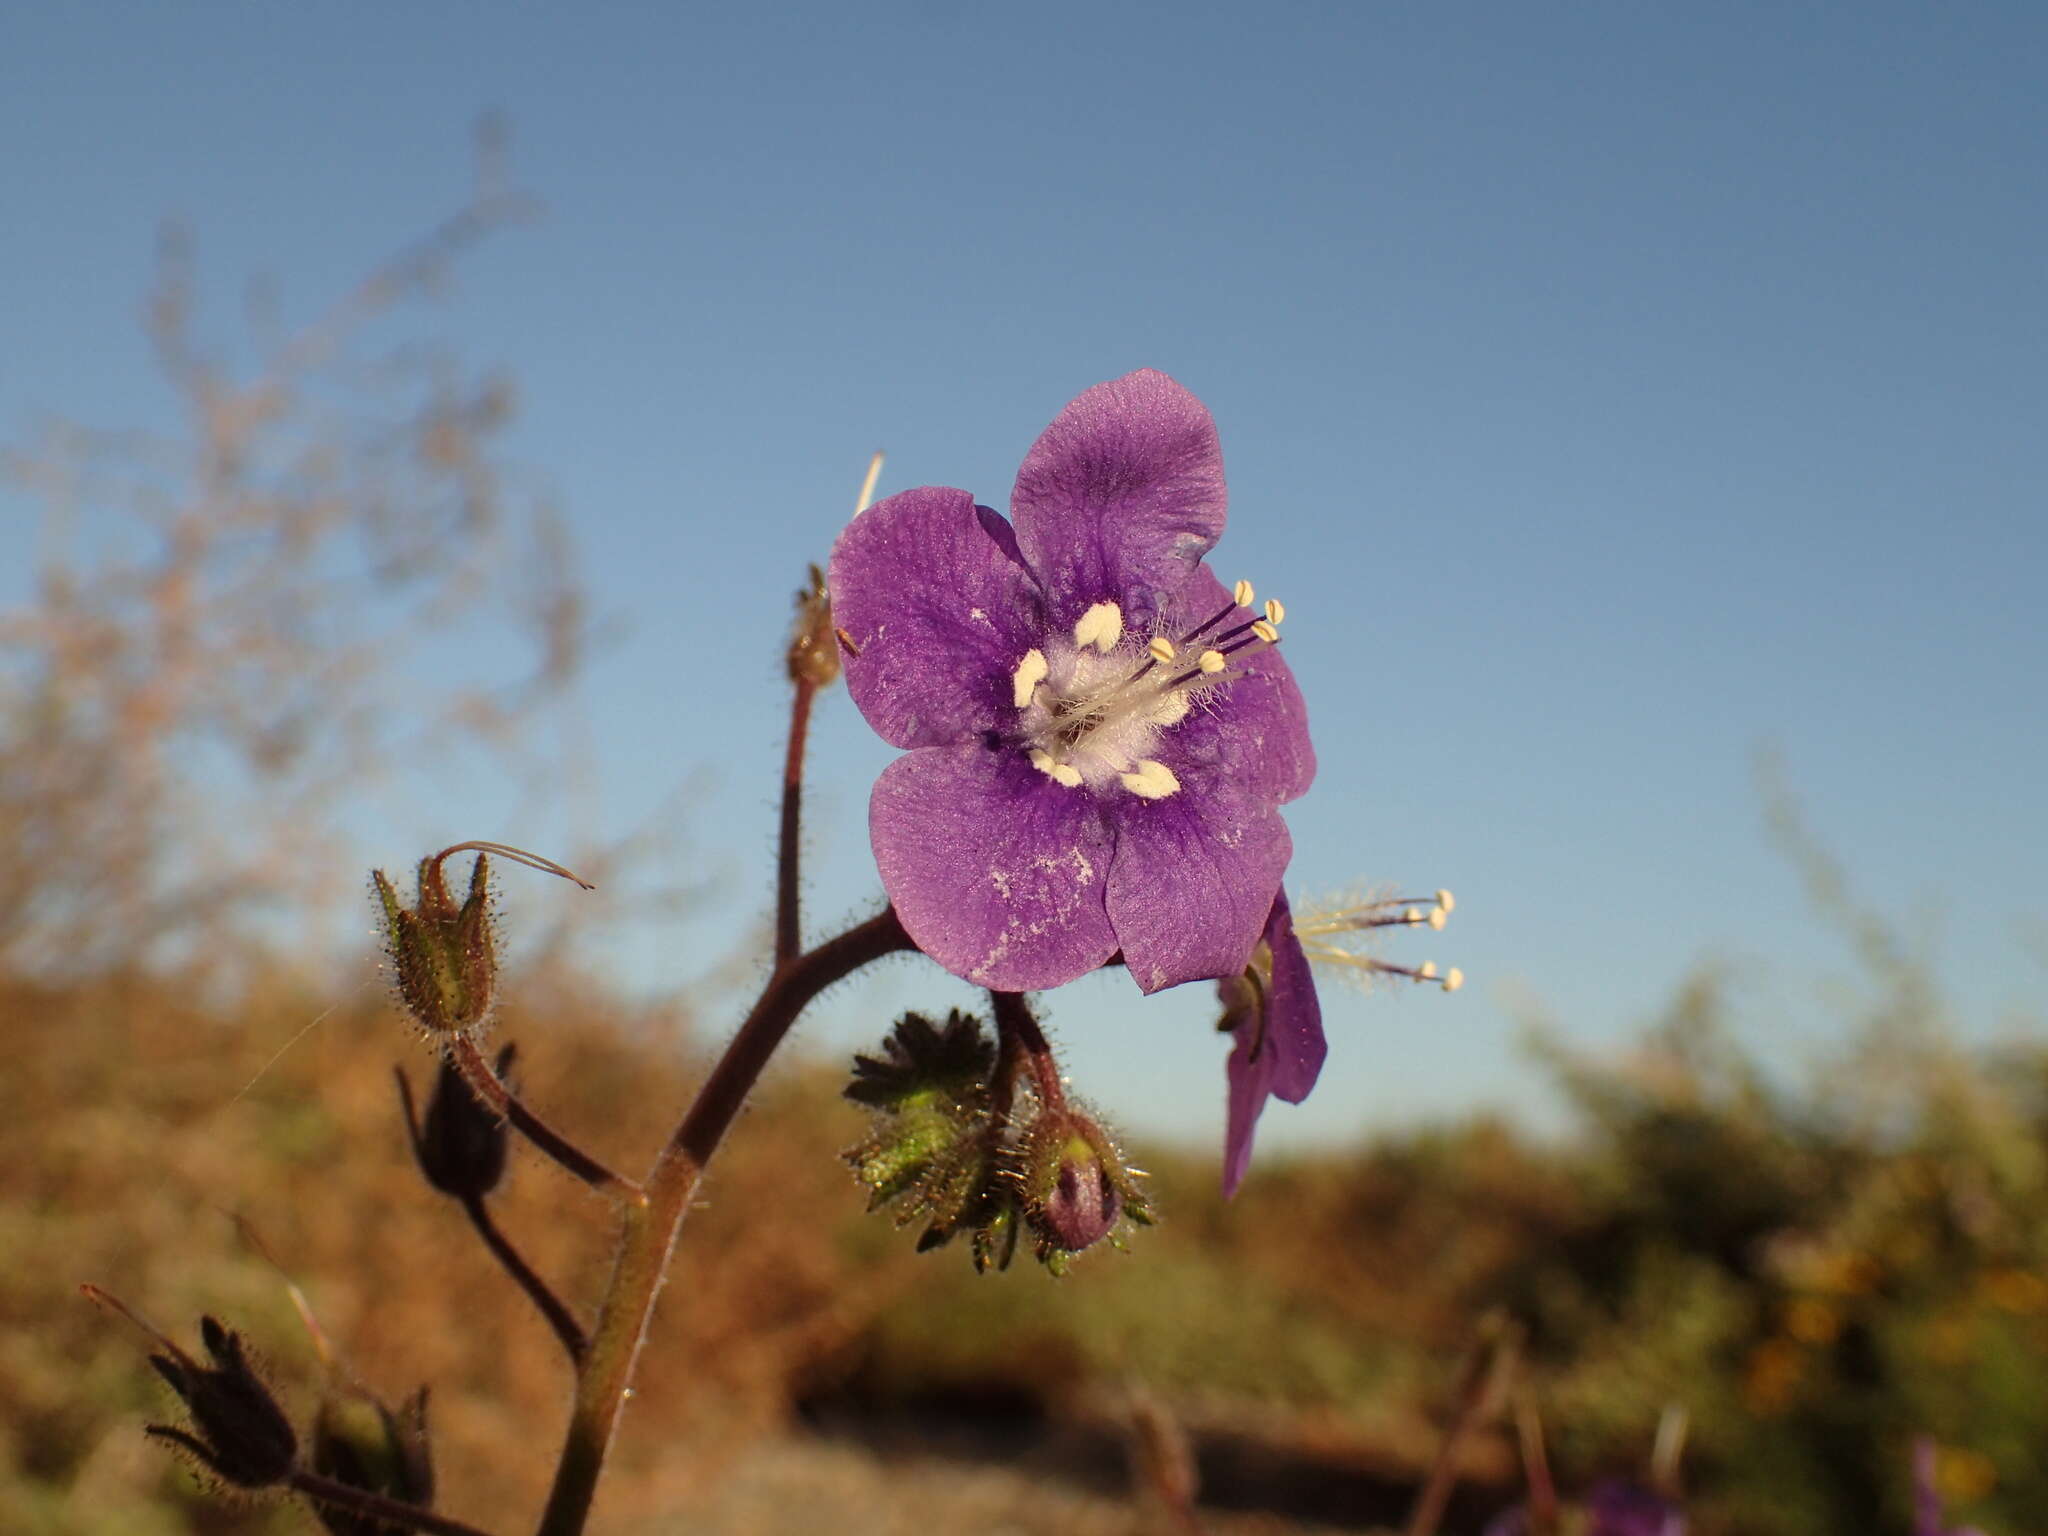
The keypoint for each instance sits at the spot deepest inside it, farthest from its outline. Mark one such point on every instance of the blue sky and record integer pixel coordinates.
(1609, 390)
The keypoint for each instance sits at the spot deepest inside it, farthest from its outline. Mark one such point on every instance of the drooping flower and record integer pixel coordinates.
(1098, 733)
(1271, 1007)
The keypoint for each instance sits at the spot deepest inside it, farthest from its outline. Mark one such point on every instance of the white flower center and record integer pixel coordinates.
(1096, 705)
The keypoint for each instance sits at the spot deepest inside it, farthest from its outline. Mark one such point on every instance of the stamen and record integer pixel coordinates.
(1059, 773)
(1211, 661)
(1153, 780)
(1275, 610)
(1213, 620)
(1162, 649)
(1101, 626)
(1029, 674)
(1242, 594)
(1453, 979)
(1265, 631)
(1447, 901)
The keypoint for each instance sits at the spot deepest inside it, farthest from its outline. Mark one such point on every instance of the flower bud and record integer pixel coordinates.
(238, 1430)
(460, 1144)
(444, 956)
(813, 655)
(1075, 1187)
(360, 1442)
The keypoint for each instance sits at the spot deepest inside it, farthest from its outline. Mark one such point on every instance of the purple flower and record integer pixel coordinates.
(1099, 735)
(1271, 1007)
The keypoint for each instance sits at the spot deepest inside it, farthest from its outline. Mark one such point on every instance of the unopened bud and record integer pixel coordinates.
(444, 956)
(813, 655)
(238, 1431)
(460, 1143)
(360, 1442)
(1075, 1187)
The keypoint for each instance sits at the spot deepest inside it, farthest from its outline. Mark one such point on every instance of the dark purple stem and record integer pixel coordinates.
(567, 1329)
(491, 1090)
(788, 849)
(325, 1490)
(1018, 1032)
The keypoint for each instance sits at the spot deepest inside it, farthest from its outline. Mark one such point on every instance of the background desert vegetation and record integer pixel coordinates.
(235, 629)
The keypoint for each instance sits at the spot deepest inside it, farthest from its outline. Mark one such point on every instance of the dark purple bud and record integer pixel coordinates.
(357, 1440)
(461, 1142)
(238, 1430)
(1075, 1186)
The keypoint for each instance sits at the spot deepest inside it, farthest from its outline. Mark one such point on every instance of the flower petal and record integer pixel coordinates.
(1120, 497)
(996, 871)
(932, 593)
(1193, 880)
(1278, 1054)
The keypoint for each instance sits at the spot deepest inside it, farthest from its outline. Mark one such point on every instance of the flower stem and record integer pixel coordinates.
(1019, 1031)
(788, 850)
(374, 1506)
(559, 1318)
(489, 1089)
(652, 1225)
(1482, 1380)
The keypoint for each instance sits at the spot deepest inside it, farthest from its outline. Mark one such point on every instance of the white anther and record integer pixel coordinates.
(1212, 661)
(1029, 674)
(1265, 631)
(1411, 916)
(1436, 918)
(1275, 610)
(1426, 971)
(1153, 780)
(1101, 626)
(1446, 901)
(1453, 979)
(1162, 649)
(1242, 593)
(1059, 773)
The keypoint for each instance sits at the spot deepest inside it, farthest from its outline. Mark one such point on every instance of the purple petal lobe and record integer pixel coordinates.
(997, 872)
(931, 590)
(1294, 1015)
(1279, 1047)
(1192, 882)
(1120, 497)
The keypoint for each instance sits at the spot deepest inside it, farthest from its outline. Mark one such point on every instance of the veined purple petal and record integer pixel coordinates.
(1120, 497)
(931, 589)
(1280, 1047)
(1192, 881)
(997, 872)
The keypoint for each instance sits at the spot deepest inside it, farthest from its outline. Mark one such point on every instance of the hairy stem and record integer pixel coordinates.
(374, 1506)
(788, 850)
(490, 1090)
(1018, 1031)
(651, 1226)
(567, 1329)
